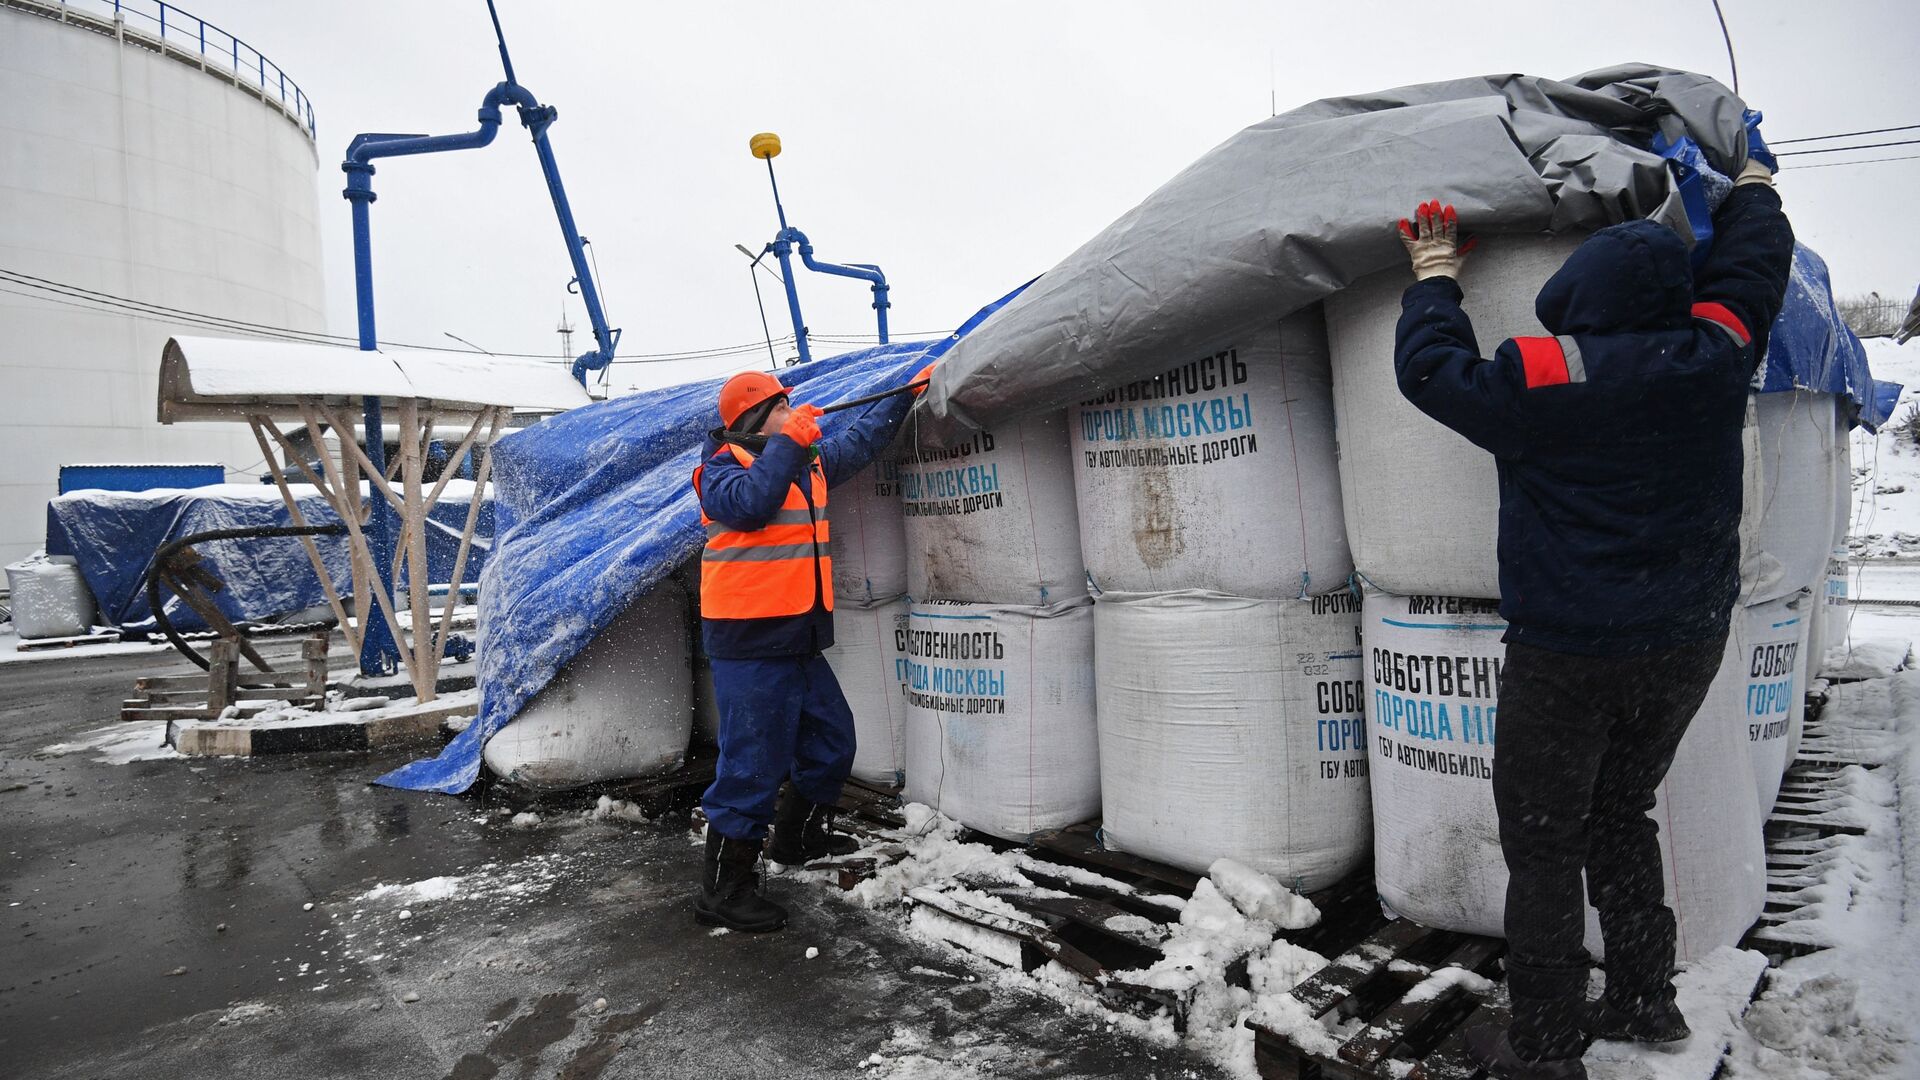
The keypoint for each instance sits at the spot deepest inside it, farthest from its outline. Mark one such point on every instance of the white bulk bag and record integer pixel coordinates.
(1434, 667)
(1422, 503)
(1000, 715)
(1217, 473)
(1762, 688)
(992, 519)
(49, 597)
(622, 708)
(868, 535)
(868, 662)
(1233, 728)
(1799, 439)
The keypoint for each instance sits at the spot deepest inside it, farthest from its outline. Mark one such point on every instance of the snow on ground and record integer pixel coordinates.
(118, 744)
(1886, 467)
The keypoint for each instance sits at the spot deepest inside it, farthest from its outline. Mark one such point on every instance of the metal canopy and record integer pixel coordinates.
(203, 378)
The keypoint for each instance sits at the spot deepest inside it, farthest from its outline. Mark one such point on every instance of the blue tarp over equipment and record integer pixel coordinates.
(114, 535)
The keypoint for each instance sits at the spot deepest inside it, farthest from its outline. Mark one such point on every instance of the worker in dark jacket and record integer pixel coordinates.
(766, 606)
(1618, 445)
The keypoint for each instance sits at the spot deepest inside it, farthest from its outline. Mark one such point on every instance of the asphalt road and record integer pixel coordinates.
(157, 926)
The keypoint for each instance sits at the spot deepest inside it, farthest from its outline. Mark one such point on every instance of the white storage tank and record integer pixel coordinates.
(1434, 669)
(1000, 715)
(1217, 473)
(869, 660)
(992, 519)
(160, 176)
(1421, 502)
(622, 708)
(1234, 728)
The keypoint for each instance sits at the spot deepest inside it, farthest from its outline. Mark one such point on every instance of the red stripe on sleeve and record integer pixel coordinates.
(1545, 362)
(1719, 313)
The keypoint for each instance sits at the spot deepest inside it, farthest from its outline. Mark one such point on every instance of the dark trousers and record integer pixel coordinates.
(779, 717)
(1583, 744)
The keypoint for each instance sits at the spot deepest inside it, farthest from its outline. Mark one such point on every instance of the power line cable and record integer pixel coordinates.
(1843, 135)
(1864, 161)
(1843, 149)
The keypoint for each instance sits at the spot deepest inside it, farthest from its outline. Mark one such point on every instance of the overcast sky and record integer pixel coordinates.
(964, 147)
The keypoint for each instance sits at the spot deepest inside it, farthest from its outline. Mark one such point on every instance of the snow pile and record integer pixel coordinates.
(1874, 659)
(1232, 917)
(118, 744)
(1713, 991)
(609, 808)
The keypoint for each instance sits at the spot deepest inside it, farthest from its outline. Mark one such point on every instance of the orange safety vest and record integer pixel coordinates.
(772, 572)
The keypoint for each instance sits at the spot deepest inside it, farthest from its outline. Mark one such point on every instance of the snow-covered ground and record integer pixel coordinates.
(1845, 1011)
(1886, 467)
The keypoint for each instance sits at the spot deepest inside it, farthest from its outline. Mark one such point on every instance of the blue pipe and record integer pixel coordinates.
(782, 248)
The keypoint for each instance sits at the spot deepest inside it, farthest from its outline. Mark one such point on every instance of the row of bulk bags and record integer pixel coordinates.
(1434, 666)
(622, 708)
(1000, 714)
(1218, 473)
(998, 654)
(1233, 728)
(869, 549)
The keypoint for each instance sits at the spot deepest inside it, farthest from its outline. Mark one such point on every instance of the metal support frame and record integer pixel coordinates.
(376, 562)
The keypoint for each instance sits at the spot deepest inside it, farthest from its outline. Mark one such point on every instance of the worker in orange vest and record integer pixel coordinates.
(766, 607)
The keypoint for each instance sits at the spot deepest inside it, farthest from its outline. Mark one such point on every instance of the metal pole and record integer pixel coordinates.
(379, 652)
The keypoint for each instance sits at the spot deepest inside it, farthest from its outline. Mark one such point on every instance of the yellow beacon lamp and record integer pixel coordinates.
(765, 145)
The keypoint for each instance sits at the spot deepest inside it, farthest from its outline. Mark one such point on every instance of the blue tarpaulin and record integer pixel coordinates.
(596, 507)
(1811, 348)
(114, 535)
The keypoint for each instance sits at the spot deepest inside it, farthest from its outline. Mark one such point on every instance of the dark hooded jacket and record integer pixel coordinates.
(1618, 441)
(746, 499)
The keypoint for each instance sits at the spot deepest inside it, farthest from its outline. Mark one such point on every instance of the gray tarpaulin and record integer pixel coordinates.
(1299, 206)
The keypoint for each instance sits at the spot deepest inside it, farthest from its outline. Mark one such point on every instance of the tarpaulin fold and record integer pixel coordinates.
(1297, 207)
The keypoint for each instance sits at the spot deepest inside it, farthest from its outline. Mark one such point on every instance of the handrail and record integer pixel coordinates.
(155, 23)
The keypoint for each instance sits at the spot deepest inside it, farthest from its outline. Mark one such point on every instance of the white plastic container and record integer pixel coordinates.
(1434, 667)
(1000, 715)
(992, 520)
(869, 661)
(1217, 473)
(50, 598)
(1234, 728)
(623, 708)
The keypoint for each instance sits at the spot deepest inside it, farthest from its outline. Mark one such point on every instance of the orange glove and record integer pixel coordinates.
(803, 426)
(922, 376)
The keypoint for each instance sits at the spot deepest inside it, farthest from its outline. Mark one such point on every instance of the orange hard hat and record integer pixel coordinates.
(744, 391)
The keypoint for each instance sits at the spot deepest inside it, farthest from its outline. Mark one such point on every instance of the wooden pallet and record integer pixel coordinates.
(225, 686)
(47, 644)
(1370, 983)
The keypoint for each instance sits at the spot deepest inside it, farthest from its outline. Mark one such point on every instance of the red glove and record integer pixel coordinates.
(803, 426)
(922, 376)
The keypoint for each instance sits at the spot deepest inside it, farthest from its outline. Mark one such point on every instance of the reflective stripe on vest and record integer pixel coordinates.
(1551, 361)
(1721, 316)
(775, 571)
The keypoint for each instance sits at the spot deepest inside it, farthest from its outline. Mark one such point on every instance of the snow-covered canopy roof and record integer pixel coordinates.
(229, 378)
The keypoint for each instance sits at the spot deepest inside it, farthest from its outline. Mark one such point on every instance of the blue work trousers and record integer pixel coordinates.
(780, 717)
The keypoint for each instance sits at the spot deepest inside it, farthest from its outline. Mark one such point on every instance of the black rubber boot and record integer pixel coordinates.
(1487, 1045)
(803, 832)
(730, 889)
(1650, 1022)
